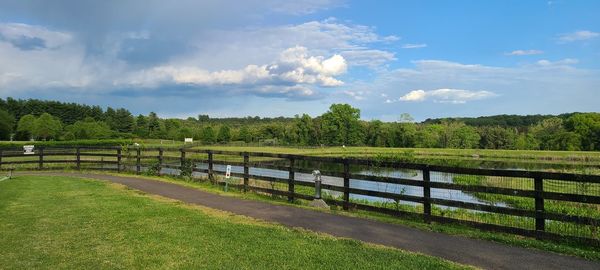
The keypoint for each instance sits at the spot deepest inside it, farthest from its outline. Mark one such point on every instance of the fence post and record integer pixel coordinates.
(78, 159)
(41, 160)
(138, 165)
(426, 195)
(246, 171)
(346, 184)
(291, 181)
(119, 160)
(210, 165)
(540, 222)
(160, 159)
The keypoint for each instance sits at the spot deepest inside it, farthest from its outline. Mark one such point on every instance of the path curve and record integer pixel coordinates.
(479, 253)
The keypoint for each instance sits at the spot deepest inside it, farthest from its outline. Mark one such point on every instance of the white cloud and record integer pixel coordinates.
(414, 46)
(578, 36)
(356, 95)
(17, 32)
(294, 57)
(293, 72)
(354, 42)
(563, 62)
(445, 95)
(36, 58)
(528, 88)
(524, 52)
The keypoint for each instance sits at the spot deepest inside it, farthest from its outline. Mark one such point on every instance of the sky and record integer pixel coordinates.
(281, 58)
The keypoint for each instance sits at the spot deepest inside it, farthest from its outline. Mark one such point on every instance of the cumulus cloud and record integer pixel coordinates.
(61, 60)
(577, 36)
(524, 52)
(445, 95)
(358, 44)
(294, 73)
(414, 46)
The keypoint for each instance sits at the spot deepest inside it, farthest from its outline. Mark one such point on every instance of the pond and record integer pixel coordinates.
(363, 184)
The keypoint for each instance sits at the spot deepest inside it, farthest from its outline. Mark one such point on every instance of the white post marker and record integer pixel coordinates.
(188, 140)
(227, 176)
(28, 149)
(228, 172)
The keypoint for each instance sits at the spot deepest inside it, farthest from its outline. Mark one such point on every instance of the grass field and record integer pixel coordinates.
(57, 222)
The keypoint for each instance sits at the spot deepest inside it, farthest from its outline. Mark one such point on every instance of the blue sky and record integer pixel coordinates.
(281, 58)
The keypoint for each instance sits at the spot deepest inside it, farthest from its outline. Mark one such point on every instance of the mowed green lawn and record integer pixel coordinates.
(58, 222)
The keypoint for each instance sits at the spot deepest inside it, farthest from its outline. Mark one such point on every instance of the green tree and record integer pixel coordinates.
(47, 127)
(109, 118)
(403, 134)
(141, 126)
(458, 135)
(208, 135)
(376, 134)
(497, 137)
(88, 129)
(245, 135)
(184, 132)
(587, 126)
(340, 125)
(305, 130)
(553, 136)
(26, 127)
(203, 118)
(123, 121)
(7, 122)
(154, 129)
(224, 135)
(429, 136)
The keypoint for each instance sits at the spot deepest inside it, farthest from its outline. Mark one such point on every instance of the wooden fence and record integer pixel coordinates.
(545, 205)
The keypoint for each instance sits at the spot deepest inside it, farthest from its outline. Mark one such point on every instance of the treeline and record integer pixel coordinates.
(504, 120)
(341, 125)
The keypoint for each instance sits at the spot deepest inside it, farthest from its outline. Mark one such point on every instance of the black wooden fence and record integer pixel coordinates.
(545, 205)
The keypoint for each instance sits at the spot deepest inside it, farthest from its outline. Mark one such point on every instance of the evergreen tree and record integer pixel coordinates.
(7, 122)
(141, 126)
(154, 129)
(123, 121)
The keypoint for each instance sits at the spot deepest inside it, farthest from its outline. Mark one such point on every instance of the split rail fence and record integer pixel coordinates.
(544, 205)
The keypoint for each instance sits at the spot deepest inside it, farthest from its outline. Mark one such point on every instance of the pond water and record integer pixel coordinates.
(362, 184)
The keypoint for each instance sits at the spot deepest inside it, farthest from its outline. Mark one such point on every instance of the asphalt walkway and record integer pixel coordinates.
(479, 253)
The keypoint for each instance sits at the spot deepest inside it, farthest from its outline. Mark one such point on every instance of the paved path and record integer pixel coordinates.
(480, 253)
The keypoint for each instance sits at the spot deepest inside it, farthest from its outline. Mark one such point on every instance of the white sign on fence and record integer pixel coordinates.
(228, 172)
(188, 140)
(28, 149)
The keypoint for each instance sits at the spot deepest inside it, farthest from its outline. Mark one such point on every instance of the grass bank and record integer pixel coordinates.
(59, 222)
(569, 248)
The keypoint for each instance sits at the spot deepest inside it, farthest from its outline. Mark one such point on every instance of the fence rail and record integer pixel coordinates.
(544, 205)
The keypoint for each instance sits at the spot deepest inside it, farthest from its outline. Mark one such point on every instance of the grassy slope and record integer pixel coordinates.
(55, 222)
(568, 248)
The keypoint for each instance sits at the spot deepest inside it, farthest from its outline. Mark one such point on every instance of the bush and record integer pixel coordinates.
(8, 145)
(187, 168)
(154, 169)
